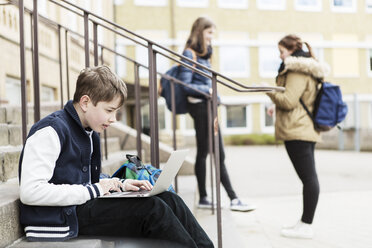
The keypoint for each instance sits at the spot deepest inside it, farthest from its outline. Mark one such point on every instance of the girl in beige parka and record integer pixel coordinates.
(299, 74)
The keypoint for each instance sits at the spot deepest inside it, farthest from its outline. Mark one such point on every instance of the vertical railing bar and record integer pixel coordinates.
(86, 38)
(95, 43)
(211, 155)
(36, 64)
(104, 132)
(154, 131)
(60, 63)
(95, 51)
(173, 101)
(137, 92)
(23, 70)
(67, 66)
(216, 159)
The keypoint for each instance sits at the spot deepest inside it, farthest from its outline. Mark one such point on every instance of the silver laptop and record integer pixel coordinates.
(169, 172)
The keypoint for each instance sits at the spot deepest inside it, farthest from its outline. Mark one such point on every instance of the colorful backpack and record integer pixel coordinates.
(134, 168)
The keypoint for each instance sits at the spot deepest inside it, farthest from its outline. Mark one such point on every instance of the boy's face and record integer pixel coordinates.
(99, 117)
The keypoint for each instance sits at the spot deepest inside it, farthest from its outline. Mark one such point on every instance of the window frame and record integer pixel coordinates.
(266, 129)
(226, 4)
(262, 6)
(196, 4)
(153, 3)
(342, 9)
(316, 8)
(237, 74)
(369, 62)
(236, 130)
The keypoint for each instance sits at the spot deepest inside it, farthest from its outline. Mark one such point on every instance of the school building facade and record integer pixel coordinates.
(245, 49)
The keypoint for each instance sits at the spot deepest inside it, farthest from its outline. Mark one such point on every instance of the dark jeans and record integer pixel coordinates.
(301, 154)
(199, 112)
(164, 216)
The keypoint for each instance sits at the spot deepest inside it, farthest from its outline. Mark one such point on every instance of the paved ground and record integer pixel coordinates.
(265, 177)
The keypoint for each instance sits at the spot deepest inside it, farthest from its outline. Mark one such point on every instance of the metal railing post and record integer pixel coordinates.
(60, 63)
(67, 66)
(86, 38)
(173, 101)
(36, 65)
(137, 92)
(211, 153)
(216, 157)
(154, 125)
(22, 68)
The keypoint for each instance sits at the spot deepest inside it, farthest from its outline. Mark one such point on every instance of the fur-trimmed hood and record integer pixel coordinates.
(305, 65)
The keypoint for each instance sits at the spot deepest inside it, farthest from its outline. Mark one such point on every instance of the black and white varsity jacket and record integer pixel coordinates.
(59, 169)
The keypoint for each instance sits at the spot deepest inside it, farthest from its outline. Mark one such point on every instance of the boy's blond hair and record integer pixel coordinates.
(100, 84)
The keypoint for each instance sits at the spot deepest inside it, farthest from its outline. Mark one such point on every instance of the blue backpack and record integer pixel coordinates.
(180, 95)
(329, 108)
(179, 92)
(134, 168)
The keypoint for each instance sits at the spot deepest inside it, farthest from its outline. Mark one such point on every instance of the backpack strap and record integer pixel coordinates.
(319, 81)
(193, 55)
(307, 110)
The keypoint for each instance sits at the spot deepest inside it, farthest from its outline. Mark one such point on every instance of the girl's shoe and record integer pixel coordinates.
(237, 205)
(205, 203)
(301, 230)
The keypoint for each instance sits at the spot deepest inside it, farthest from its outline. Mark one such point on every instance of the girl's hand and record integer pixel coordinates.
(270, 110)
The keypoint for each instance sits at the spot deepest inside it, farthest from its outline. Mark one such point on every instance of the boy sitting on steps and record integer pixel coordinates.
(59, 172)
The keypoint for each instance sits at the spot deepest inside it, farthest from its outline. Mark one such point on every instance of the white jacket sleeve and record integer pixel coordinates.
(40, 154)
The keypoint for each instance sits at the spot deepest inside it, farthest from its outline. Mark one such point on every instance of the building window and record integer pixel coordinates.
(121, 66)
(234, 61)
(269, 61)
(42, 7)
(234, 119)
(370, 62)
(308, 5)
(233, 4)
(145, 111)
(48, 94)
(193, 3)
(162, 63)
(236, 116)
(369, 6)
(13, 91)
(151, 2)
(271, 4)
(267, 121)
(343, 5)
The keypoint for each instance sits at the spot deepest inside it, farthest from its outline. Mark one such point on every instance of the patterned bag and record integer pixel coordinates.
(134, 168)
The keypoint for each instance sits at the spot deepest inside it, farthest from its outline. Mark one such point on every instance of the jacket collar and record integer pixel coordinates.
(308, 66)
(70, 109)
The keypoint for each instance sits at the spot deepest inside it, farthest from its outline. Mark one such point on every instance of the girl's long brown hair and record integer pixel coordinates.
(293, 42)
(196, 39)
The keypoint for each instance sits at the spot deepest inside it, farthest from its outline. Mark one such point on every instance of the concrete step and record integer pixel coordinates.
(10, 228)
(113, 145)
(13, 114)
(9, 159)
(11, 134)
(114, 161)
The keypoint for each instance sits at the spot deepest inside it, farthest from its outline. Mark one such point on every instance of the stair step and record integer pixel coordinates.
(113, 145)
(9, 159)
(10, 228)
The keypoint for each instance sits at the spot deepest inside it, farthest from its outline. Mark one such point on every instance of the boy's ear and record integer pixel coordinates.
(84, 102)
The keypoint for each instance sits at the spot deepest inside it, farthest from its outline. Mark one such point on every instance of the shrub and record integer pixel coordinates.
(251, 139)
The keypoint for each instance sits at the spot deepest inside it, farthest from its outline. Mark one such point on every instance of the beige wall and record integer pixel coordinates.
(49, 69)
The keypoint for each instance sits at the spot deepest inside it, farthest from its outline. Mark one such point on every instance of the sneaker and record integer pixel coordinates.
(238, 205)
(301, 230)
(205, 203)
